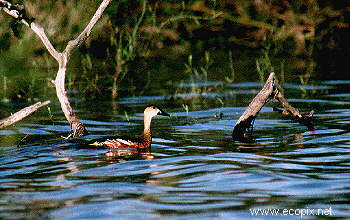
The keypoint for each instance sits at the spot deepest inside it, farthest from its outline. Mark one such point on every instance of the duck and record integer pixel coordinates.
(142, 142)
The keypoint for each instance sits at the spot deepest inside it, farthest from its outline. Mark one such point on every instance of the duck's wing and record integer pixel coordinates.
(115, 142)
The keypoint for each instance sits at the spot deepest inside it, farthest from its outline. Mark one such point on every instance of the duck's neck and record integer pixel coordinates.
(147, 128)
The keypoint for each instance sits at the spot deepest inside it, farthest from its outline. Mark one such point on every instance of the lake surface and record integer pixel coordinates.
(194, 171)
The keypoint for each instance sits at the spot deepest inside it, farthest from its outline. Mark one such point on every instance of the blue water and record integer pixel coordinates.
(194, 170)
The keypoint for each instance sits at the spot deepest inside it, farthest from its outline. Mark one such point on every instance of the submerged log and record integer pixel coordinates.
(267, 92)
(18, 116)
(62, 59)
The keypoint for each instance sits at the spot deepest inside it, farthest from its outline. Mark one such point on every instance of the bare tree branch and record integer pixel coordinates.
(62, 58)
(246, 119)
(12, 10)
(290, 110)
(268, 91)
(38, 30)
(87, 31)
(22, 114)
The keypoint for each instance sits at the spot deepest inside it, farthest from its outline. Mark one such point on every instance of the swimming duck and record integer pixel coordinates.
(143, 141)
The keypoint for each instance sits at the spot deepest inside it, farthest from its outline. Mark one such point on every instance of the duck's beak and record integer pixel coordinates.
(161, 112)
(165, 114)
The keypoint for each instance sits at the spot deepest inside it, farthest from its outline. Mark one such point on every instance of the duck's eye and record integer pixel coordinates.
(154, 107)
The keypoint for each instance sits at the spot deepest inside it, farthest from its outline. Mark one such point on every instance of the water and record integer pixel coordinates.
(194, 169)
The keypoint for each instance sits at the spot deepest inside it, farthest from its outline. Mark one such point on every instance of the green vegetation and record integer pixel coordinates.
(135, 42)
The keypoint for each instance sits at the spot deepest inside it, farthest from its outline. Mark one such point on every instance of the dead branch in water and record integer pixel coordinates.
(62, 59)
(293, 112)
(18, 116)
(268, 91)
(247, 118)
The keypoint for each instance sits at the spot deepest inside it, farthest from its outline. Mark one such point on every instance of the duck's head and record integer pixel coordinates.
(153, 110)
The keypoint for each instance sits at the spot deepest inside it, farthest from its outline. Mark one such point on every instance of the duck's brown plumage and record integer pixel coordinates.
(143, 141)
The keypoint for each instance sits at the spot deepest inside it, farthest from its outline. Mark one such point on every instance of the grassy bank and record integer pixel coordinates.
(148, 36)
